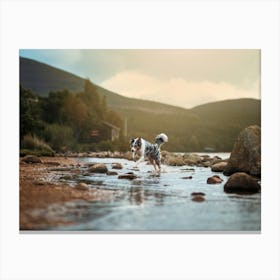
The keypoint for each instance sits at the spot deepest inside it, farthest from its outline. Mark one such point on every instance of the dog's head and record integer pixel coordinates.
(135, 145)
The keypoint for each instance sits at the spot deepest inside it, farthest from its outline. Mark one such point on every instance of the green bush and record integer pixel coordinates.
(105, 146)
(60, 137)
(121, 144)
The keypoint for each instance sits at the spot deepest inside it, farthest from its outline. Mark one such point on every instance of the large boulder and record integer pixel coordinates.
(241, 182)
(246, 153)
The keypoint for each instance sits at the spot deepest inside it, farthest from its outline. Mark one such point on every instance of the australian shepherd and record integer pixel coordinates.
(147, 150)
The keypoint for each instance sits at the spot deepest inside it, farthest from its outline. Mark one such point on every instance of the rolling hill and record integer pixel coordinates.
(214, 125)
(42, 78)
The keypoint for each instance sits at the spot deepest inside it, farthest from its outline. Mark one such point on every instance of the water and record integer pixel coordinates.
(164, 203)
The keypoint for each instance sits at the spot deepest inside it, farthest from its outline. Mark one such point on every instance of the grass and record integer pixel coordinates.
(32, 145)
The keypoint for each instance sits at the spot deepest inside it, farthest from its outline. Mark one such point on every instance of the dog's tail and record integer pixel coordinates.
(161, 138)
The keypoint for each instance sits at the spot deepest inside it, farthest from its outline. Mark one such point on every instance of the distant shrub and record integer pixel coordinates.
(85, 147)
(60, 137)
(121, 144)
(105, 146)
(34, 143)
(43, 152)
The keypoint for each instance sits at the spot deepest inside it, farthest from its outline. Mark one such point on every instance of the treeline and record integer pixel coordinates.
(64, 121)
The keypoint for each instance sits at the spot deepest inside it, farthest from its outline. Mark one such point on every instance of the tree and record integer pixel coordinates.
(53, 107)
(76, 112)
(91, 98)
(114, 118)
(60, 136)
(30, 122)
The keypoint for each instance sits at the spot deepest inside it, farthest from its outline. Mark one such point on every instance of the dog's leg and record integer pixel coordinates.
(139, 160)
(141, 152)
(152, 161)
(158, 165)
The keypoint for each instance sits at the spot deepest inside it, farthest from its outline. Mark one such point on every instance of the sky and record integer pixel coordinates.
(180, 77)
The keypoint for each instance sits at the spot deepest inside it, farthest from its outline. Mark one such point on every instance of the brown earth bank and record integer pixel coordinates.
(48, 186)
(44, 197)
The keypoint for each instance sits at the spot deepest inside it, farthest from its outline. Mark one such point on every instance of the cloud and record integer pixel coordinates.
(176, 91)
(239, 67)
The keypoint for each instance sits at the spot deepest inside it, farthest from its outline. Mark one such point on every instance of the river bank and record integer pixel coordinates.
(44, 192)
(67, 193)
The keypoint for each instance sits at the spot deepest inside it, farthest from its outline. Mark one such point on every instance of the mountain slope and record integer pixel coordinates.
(42, 78)
(244, 110)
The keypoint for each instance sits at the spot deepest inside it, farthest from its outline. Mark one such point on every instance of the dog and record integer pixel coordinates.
(147, 150)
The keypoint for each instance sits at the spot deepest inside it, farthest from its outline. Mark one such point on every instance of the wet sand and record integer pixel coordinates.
(42, 193)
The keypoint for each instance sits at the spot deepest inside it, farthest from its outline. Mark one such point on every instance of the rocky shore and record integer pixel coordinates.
(172, 159)
(48, 187)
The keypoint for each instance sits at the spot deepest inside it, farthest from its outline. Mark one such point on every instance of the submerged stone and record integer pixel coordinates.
(112, 173)
(129, 175)
(197, 193)
(98, 168)
(117, 165)
(198, 198)
(214, 180)
(187, 177)
(219, 167)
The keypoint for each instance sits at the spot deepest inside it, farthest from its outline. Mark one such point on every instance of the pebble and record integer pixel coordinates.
(82, 187)
(187, 177)
(129, 175)
(117, 165)
(198, 198)
(197, 193)
(214, 180)
(112, 173)
(53, 163)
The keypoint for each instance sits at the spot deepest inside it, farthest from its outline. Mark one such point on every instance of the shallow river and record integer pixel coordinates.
(164, 203)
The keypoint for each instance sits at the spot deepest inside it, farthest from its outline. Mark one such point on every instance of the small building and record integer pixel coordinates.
(113, 132)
